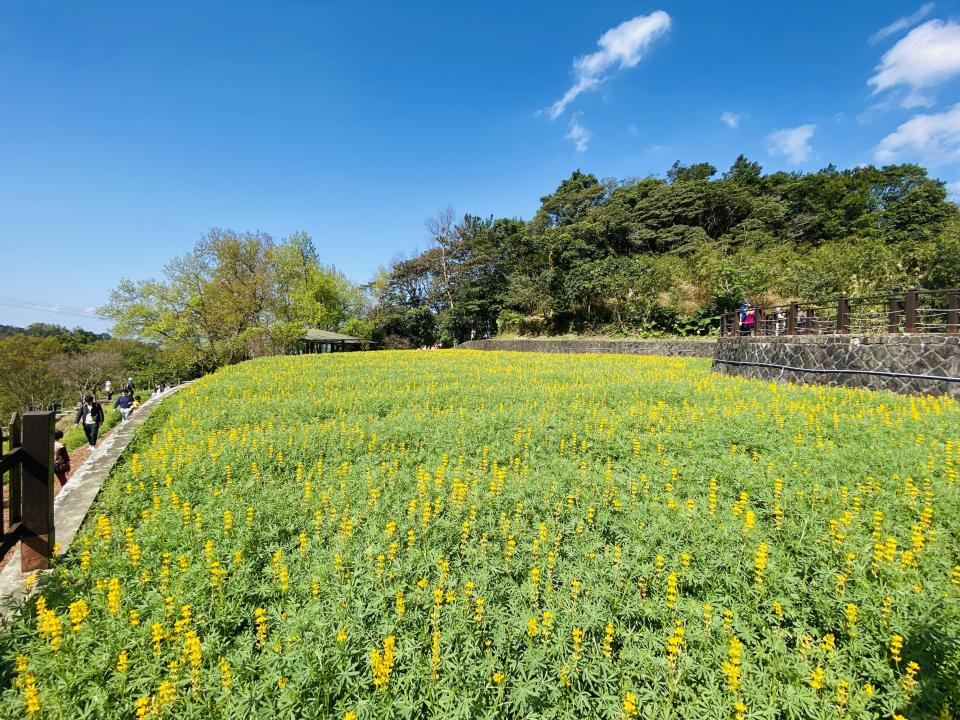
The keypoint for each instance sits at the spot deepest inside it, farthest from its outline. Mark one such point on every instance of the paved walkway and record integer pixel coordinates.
(71, 504)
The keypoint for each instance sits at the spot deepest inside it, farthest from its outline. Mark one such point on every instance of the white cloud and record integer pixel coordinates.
(579, 134)
(933, 139)
(901, 24)
(623, 45)
(953, 191)
(792, 143)
(730, 119)
(928, 56)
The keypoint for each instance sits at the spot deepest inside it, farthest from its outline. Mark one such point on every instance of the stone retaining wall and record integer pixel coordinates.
(914, 354)
(676, 348)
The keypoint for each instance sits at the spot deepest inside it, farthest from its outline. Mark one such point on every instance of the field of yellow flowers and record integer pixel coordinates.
(462, 534)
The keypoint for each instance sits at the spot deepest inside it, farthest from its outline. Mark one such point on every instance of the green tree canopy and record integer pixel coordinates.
(654, 256)
(235, 295)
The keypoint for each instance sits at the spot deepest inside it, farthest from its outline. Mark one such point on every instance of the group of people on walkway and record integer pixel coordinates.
(749, 317)
(91, 416)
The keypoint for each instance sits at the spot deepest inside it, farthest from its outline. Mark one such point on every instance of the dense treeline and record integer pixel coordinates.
(654, 256)
(70, 339)
(45, 365)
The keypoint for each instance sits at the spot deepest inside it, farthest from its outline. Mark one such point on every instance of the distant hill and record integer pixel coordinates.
(79, 335)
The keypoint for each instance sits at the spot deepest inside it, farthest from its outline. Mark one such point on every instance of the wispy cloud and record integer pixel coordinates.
(928, 56)
(623, 46)
(792, 143)
(730, 119)
(901, 24)
(953, 191)
(933, 139)
(579, 134)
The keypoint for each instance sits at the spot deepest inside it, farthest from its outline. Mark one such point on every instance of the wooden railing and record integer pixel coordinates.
(28, 463)
(926, 311)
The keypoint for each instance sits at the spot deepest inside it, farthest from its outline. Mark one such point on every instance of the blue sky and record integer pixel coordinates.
(128, 130)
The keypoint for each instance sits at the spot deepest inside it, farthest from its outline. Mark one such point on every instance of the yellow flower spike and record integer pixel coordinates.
(760, 562)
(31, 696)
(851, 611)
(608, 641)
(896, 646)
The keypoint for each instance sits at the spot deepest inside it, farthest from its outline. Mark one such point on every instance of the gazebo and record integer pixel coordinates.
(324, 341)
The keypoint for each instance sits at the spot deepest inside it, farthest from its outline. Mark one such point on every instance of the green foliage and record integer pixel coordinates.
(70, 340)
(234, 296)
(27, 381)
(651, 256)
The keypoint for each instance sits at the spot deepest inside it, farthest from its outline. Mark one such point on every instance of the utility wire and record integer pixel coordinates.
(21, 304)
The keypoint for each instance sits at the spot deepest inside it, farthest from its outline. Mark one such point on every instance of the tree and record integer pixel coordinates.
(652, 256)
(233, 296)
(85, 372)
(26, 379)
(679, 172)
(744, 171)
(308, 293)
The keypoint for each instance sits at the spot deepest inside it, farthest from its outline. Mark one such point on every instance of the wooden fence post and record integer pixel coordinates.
(893, 315)
(792, 319)
(36, 544)
(843, 316)
(16, 472)
(953, 313)
(910, 315)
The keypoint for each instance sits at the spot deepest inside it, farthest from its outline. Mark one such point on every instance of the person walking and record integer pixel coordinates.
(108, 389)
(748, 316)
(61, 458)
(91, 415)
(130, 385)
(124, 404)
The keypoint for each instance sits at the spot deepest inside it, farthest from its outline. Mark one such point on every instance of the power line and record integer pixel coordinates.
(65, 310)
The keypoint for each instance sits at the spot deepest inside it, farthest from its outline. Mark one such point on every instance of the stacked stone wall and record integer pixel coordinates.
(885, 362)
(673, 348)
(903, 363)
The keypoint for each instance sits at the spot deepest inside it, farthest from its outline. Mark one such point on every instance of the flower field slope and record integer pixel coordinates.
(467, 534)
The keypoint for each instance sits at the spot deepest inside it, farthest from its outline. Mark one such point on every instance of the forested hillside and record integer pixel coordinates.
(651, 255)
(45, 365)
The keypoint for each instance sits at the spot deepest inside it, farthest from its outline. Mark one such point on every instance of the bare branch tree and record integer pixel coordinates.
(83, 373)
(445, 232)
